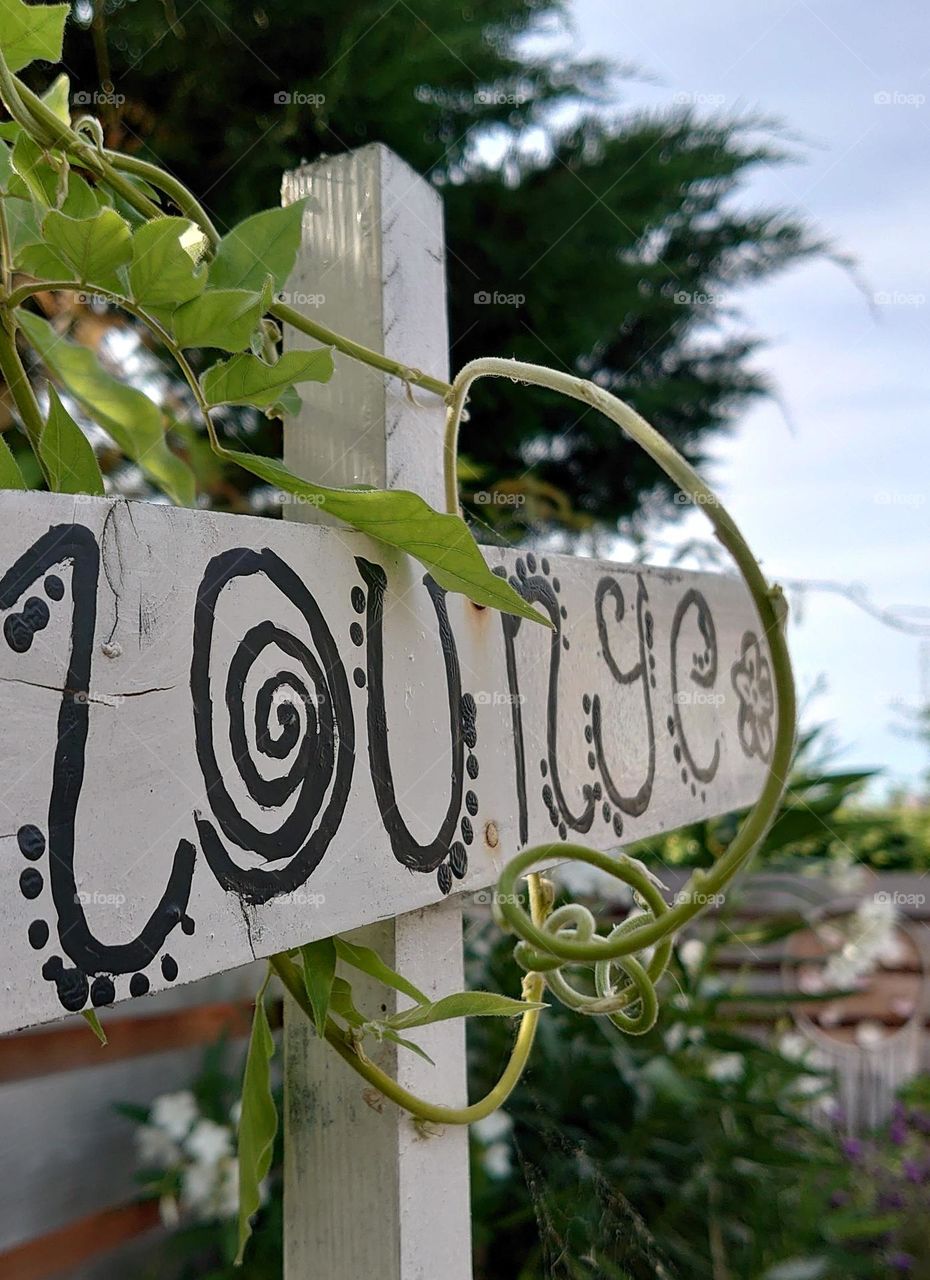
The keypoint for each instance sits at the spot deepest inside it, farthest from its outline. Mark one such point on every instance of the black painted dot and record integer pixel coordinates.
(606, 811)
(588, 733)
(17, 632)
(586, 703)
(544, 565)
(693, 789)
(30, 883)
(547, 796)
(53, 968)
(704, 795)
(458, 860)
(652, 681)
(543, 767)
(565, 644)
(169, 968)
(591, 760)
(684, 775)
(531, 562)
(36, 613)
(652, 662)
(471, 766)
(563, 611)
(618, 824)
(187, 926)
(138, 985)
(556, 585)
(31, 842)
(444, 876)
(670, 724)
(563, 830)
(468, 833)
(597, 791)
(102, 992)
(521, 569)
(358, 675)
(677, 753)
(471, 802)
(38, 934)
(356, 634)
(358, 599)
(54, 587)
(72, 989)
(554, 817)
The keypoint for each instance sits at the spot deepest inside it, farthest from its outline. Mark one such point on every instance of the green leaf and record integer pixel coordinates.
(258, 1123)
(247, 380)
(29, 32)
(43, 263)
(264, 245)
(95, 247)
(82, 200)
(163, 270)
(221, 318)
(442, 543)
(370, 962)
(56, 98)
(90, 1017)
(464, 1004)
(318, 960)
(130, 417)
(67, 453)
(343, 1005)
(43, 173)
(10, 475)
(798, 1269)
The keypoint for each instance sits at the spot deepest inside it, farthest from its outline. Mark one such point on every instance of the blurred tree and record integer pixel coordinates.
(606, 245)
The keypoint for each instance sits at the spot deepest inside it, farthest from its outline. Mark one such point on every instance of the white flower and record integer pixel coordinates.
(496, 1159)
(227, 1188)
(175, 1113)
(726, 1067)
(691, 953)
(235, 1113)
(198, 1190)
(675, 1037)
(208, 1142)
(493, 1127)
(156, 1148)
(869, 1035)
(169, 1212)
(794, 1046)
(807, 1085)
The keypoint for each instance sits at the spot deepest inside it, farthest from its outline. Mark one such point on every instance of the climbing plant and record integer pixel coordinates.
(76, 217)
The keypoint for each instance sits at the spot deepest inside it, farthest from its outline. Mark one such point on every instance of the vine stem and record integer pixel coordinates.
(11, 365)
(431, 1112)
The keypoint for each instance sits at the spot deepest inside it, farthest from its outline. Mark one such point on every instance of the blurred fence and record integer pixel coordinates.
(67, 1157)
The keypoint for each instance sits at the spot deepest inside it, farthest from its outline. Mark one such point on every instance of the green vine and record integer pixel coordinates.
(77, 217)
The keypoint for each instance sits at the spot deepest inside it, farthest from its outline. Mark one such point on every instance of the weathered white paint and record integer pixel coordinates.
(394, 1204)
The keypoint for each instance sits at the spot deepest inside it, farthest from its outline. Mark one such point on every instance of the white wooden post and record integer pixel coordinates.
(365, 1193)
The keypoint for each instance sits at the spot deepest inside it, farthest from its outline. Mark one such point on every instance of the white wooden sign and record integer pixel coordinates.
(224, 736)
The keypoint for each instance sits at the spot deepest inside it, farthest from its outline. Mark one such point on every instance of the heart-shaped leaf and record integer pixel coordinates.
(66, 452)
(10, 475)
(94, 247)
(164, 271)
(263, 245)
(221, 318)
(28, 32)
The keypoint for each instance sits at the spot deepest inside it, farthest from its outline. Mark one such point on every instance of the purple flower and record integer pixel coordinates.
(913, 1171)
(898, 1131)
(852, 1148)
(901, 1261)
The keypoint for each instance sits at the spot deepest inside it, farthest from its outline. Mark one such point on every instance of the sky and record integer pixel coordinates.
(832, 481)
